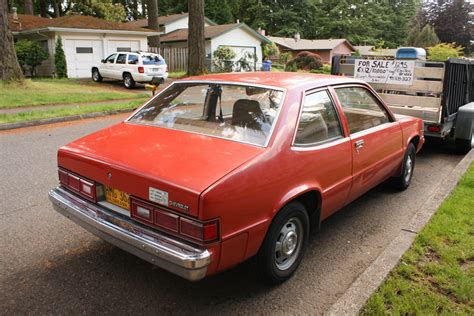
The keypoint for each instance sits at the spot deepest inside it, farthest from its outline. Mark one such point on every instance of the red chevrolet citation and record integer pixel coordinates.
(220, 168)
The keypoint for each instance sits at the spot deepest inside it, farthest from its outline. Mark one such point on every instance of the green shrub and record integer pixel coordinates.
(284, 57)
(443, 51)
(270, 50)
(223, 59)
(325, 70)
(30, 54)
(60, 65)
(305, 61)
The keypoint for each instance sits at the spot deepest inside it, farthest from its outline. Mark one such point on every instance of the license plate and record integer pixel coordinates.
(117, 197)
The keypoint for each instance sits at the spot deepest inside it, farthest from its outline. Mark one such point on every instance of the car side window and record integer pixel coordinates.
(319, 121)
(111, 59)
(132, 59)
(121, 59)
(361, 108)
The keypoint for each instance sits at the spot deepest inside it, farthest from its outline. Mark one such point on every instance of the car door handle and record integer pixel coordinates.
(359, 144)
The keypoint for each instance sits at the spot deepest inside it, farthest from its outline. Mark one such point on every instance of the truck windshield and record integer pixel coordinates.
(236, 112)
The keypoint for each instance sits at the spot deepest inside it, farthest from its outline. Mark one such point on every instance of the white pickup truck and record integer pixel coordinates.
(132, 68)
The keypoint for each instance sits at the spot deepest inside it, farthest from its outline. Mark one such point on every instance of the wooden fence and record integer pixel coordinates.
(176, 57)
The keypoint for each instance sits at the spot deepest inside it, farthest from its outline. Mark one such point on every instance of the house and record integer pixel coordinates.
(243, 40)
(169, 23)
(370, 51)
(86, 40)
(326, 48)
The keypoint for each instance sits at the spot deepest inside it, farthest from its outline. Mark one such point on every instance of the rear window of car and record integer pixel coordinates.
(236, 112)
(152, 60)
(132, 59)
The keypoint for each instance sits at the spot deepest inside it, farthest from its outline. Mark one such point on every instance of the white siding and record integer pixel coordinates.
(179, 24)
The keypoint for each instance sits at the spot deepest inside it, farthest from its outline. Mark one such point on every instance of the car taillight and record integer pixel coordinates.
(141, 70)
(78, 184)
(197, 230)
(186, 227)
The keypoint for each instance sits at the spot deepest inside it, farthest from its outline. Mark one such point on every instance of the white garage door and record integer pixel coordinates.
(123, 46)
(81, 55)
(244, 52)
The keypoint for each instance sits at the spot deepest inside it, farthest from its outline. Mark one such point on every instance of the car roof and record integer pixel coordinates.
(285, 80)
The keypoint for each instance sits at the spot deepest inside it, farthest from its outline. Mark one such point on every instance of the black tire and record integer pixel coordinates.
(291, 221)
(403, 181)
(128, 81)
(463, 146)
(96, 77)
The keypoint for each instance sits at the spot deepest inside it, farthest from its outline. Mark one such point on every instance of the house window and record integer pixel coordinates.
(124, 49)
(84, 50)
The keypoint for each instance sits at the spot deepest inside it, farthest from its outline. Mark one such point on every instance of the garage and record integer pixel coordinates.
(123, 46)
(81, 55)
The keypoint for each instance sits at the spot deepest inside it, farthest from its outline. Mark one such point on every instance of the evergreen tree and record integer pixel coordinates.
(219, 11)
(60, 65)
(422, 37)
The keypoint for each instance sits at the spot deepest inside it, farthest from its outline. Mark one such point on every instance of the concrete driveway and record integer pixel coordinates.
(50, 265)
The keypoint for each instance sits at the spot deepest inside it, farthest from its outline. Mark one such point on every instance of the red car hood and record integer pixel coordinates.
(138, 157)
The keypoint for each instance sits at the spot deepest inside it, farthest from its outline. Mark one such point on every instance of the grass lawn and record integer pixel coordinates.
(68, 111)
(177, 74)
(436, 276)
(54, 91)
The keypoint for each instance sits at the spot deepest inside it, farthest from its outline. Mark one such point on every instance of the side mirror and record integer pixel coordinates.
(102, 61)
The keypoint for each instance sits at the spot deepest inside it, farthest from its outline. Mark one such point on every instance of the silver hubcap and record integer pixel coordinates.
(408, 169)
(127, 81)
(288, 244)
(95, 75)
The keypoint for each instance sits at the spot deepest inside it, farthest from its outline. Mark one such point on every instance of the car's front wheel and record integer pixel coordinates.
(128, 81)
(403, 181)
(284, 245)
(96, 75)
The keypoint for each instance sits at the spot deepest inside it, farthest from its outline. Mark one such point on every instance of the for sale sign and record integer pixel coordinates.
(385, 71)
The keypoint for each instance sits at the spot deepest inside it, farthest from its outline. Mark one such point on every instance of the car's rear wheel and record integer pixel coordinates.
(96, 75)
(128, 81)
(403, 181)
(284, 245)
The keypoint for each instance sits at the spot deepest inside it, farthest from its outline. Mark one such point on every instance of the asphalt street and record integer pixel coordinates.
(49, 265)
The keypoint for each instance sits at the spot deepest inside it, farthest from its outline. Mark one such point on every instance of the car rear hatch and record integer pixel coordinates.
(169, 167)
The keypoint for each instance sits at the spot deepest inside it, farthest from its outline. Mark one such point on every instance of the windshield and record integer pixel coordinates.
(237, 112)
(152, 60)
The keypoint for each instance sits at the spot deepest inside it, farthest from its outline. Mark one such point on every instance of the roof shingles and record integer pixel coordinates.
(31, 22)
(305, 44)
(209, 32)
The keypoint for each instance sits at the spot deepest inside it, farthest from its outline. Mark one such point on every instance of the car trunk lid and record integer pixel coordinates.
(146, 160)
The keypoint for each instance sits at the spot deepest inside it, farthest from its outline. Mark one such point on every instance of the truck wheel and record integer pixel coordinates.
(96, 75)
(284, 244)
(128, 81)
(463, 145)
(403, 181)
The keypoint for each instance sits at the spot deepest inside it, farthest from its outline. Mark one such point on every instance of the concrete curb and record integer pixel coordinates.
(8, 126)
(357, 294)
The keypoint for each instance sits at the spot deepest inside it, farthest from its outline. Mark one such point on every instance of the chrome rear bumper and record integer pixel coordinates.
(172, 255)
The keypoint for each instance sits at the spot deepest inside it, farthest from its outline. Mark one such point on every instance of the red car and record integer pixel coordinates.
(217, 169)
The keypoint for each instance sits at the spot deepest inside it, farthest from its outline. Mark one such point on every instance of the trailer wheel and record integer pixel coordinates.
(463, 145)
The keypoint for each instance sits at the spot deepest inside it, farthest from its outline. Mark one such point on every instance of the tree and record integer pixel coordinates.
(9, 68)
(29, 7)
(196, 39)
(305, 61)
(422, 37)
(60, 65)
(153, 24)
(103, 9)
(30, 54)
(443, 51)
(219, 11)
(453, 22)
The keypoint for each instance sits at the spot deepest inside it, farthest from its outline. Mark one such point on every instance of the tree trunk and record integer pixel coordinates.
(196, 39)
(9, 67)
(57, 12)
(134, 6)
(153, 24)
(43, 8)
(29, 7)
